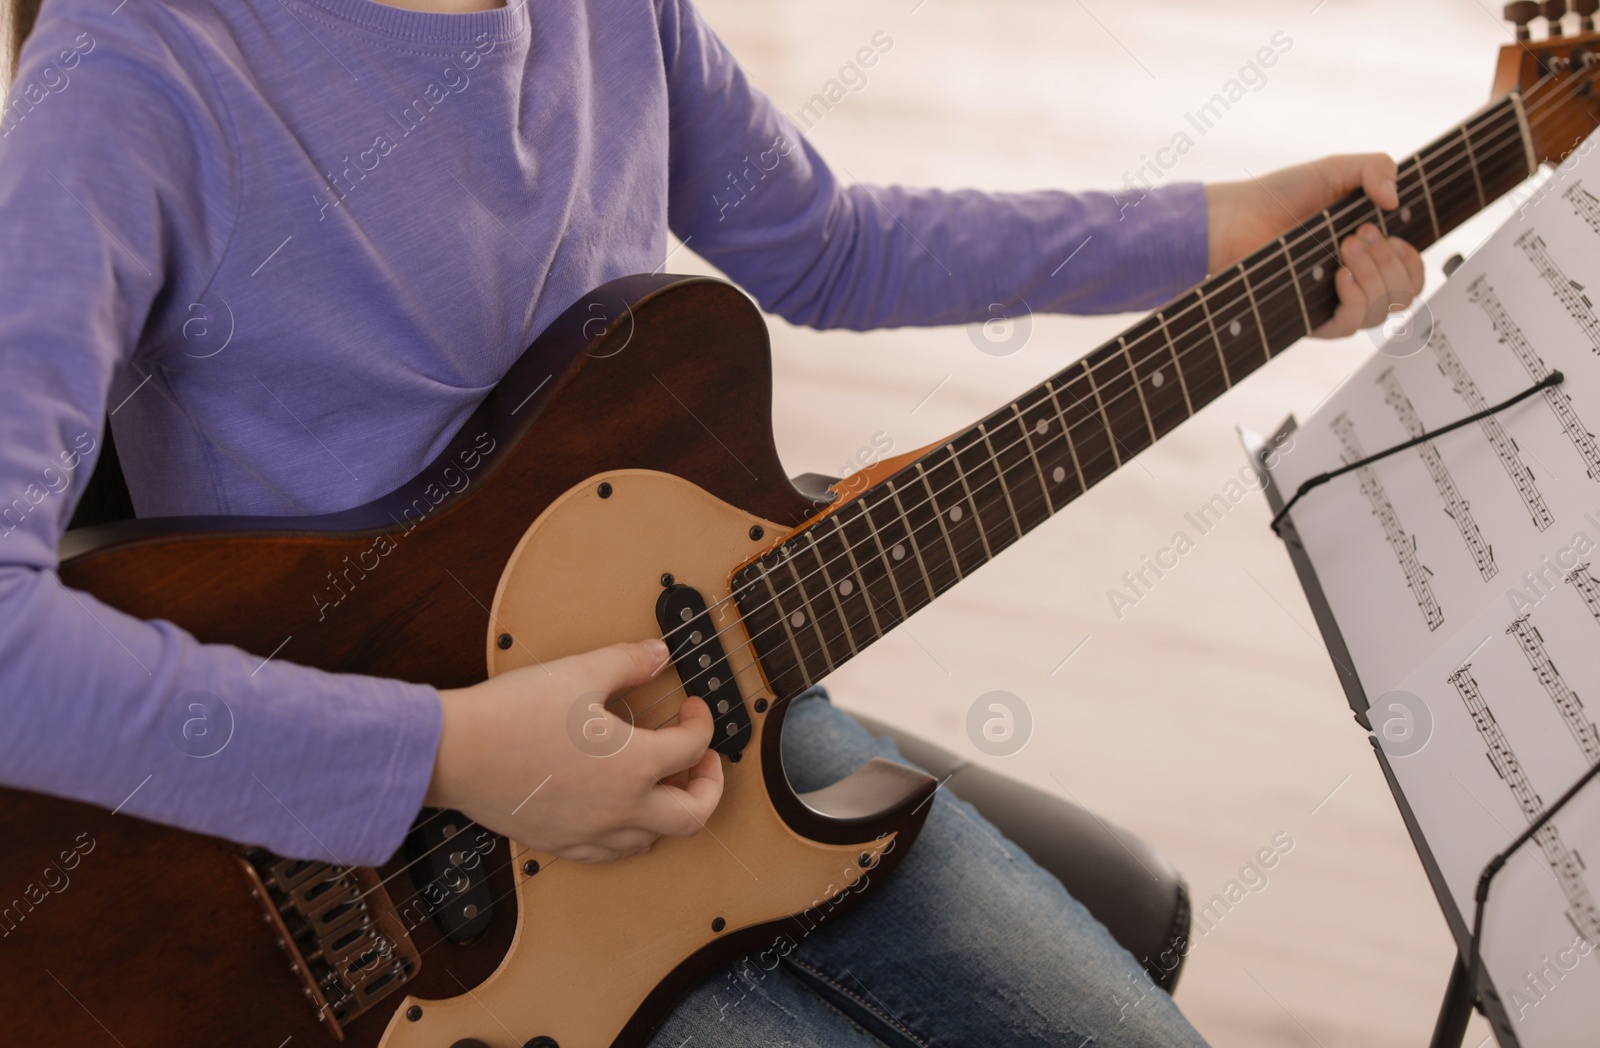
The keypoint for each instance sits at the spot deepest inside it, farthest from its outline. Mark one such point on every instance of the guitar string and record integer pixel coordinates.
(1068, 427)
(911, 531)
(1501, 142)
(1264, 300)
(969, 545)
(1496, 147)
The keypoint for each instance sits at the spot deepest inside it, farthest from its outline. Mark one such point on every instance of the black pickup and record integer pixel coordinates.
(703, 666)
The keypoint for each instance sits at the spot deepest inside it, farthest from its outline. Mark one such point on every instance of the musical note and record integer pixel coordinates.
(1455, 505)
(1510, 335)
(1504, 446)
(1567, 291)
(1581, 910)
(1561, 694)
(1403, 544)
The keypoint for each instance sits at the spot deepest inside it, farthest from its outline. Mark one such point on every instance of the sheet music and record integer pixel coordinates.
(1464, 575)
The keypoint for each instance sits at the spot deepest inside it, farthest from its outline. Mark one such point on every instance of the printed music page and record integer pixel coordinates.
(1464, 575)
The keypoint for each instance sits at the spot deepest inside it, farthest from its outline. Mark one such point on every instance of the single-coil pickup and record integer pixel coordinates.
(702, 665)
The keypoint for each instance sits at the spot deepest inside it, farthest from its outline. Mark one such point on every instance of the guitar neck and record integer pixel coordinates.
(828, 591)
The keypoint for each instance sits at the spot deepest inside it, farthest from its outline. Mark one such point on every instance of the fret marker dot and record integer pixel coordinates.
(899, 552)
(1235, 327)
(1405, 214)
(1317, 272)
(847, 587)
(1042, 426)
(955, 513)
(1058, 474)
(1157, 379)
(713, 683)
(798, 619)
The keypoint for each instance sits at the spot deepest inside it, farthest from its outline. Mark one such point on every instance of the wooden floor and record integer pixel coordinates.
(1207, 718)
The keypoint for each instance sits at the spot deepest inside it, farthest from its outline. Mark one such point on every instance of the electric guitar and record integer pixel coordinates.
(587, 501)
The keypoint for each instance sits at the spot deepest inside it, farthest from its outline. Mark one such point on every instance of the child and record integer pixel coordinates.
(288, 245)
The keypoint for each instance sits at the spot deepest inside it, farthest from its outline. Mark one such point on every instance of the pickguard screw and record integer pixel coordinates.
(717, 924)
(542, 1042)
(761, 705)
(504, 641)
(756, 531)
(414, 1012)
(667, 580)
(530, 867)
(605, 489)
(866, 859)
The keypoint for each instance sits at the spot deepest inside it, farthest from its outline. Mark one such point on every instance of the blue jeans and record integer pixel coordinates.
(967, 944)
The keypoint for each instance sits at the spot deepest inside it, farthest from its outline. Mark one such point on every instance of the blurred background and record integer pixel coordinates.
(1208, 719)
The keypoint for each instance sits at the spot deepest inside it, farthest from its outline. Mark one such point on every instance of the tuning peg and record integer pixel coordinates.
(1553, 10)
(1519, 13)
(1586, 10)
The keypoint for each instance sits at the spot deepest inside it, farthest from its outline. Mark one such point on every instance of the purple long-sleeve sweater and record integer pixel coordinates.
(290, 244)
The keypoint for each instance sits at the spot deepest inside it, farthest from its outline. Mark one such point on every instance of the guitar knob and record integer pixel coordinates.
(1519, 13)
(1586, 10)
(1553, 11)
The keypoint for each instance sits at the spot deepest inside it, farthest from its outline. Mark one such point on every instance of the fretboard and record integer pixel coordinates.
(829, 591)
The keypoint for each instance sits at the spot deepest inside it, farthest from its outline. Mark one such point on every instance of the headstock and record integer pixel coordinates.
(1558, 77)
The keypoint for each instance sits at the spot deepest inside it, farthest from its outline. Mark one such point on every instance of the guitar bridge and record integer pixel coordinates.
(340, 930)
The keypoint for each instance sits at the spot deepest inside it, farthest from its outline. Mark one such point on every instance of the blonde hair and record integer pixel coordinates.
(24, 13)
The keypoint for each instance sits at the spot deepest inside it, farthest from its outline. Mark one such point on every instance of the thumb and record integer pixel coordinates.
(620, 666)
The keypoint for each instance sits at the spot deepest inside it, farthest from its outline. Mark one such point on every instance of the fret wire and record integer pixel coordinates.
(1104, 420)
(1427, 195)
(855, 571)
(783, 620)
(883, 555)
(1295, 279)
(1000, 476)
(1472, 162)
(1333, 238)
(1138, 387)
(1183, 383)
(810, 613)
(1525, 131)
(1377, 212)
(1066, 434)
(1044, 489)
(1266, 344)
(1216, 339)
(833, 592)
(911, 535)
(938, 516)
(977, 518)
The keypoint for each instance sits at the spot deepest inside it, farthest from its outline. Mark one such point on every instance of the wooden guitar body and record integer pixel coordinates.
(656, 386)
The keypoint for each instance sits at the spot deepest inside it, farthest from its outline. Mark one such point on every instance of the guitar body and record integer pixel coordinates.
(655, 390)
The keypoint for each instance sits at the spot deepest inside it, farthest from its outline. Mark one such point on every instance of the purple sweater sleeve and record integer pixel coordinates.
(751, 195)
(101, 215)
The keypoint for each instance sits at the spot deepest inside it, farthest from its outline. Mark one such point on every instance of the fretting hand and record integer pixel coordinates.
(1378, 274)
